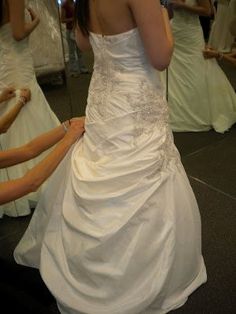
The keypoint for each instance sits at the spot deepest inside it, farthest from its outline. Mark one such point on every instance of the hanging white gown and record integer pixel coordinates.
(16, 69)
(48, 51)
(220, 37)
(118, 228)
(200, 97)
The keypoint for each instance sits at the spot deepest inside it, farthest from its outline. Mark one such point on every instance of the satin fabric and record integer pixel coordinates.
(118, 229)
(16, 69)
(200, 97)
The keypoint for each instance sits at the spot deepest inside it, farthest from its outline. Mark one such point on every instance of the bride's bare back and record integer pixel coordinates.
(110, 17)
(115, 17)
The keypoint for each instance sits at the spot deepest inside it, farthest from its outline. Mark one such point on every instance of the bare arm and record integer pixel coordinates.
(7, 93)
(82, 40)
(20, 29)
(31, 181)
(36, 146)
(7, 120)
(231, 58)
(32, 149)
(211, 53)
(203, 7)
(153, 24)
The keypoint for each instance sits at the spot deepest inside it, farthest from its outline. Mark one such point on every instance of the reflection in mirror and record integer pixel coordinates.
(221, 36)
(66, 94)
(191, 78)
(17, 70)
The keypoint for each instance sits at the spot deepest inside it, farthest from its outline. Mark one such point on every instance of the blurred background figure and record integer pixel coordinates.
(200, 96)
(76, 62)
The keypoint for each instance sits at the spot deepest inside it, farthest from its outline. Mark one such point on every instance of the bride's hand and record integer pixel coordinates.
(33, 15)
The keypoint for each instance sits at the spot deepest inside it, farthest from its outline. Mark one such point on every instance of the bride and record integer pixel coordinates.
(16, 69)
(118, 229)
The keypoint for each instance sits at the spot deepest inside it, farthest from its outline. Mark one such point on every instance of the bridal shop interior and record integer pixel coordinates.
(208, 154)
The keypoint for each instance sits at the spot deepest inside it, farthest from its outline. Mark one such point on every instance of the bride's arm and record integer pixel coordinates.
(203, 7)
(153, 24)
(31, 181)
(21, 29)
(82, 40)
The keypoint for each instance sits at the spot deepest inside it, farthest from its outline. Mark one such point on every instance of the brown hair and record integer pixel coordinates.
(82, 15)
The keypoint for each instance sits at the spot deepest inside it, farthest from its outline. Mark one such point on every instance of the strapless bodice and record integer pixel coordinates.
(121, 53)
(124, 83)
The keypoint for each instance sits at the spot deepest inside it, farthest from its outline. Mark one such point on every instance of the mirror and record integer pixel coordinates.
(66, 94)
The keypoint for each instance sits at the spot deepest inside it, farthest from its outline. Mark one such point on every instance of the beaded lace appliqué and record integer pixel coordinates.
(143, 100)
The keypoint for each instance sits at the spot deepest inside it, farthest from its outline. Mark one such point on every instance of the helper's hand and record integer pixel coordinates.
(210, 53)
(25, 95)
(75, 130)
(7, 94)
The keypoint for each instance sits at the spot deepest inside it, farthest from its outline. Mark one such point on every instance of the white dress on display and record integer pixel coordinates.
(220, 36)
(200, 97)
(16, 69)
(118, 229)
(48, 51)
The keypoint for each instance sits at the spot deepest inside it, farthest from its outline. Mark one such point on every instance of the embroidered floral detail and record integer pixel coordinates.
(119, 90)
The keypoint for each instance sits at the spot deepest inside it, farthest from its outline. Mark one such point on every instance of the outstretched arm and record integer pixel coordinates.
(7, 120)
(31, 181)
(21, 29)
(209, 53)
(7, 93)
(231, 58)
(35, 147)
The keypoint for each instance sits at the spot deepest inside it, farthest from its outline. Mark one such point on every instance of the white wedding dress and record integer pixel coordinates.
(200, 97)
(118, 228)
(220, 37)
(16, 69)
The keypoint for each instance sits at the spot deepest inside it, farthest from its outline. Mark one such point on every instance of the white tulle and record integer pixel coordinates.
(118, 228)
